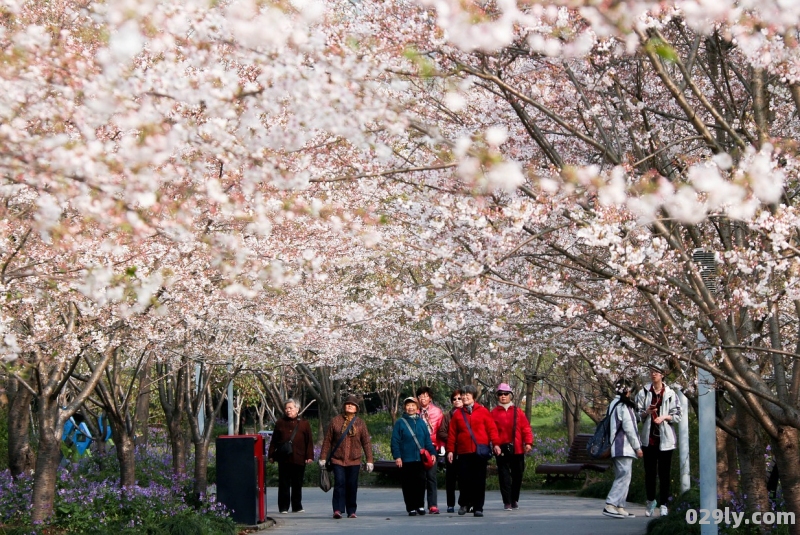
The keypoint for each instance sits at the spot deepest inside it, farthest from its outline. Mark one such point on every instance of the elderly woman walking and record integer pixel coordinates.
(292, 446)
(516, 439)
(346, 439)
(409, 436)
(472, 429)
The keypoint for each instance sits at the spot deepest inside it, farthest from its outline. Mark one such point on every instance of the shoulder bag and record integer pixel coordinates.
(483, 450)
(424, 455)
(285, 450)
(508, 449)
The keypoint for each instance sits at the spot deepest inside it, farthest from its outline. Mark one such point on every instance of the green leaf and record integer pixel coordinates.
(663, 49)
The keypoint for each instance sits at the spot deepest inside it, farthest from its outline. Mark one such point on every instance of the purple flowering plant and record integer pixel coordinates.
(90, 499)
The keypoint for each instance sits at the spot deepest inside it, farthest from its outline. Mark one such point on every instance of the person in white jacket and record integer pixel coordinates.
(625, 447)
(657, 407)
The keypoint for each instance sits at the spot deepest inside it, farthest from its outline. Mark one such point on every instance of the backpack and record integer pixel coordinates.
(599, 446)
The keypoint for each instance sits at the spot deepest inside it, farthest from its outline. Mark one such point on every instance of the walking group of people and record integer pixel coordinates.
(656, 406)
(464, 439)
(468, 436)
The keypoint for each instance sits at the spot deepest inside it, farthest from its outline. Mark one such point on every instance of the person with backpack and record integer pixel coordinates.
(450, 468)
(516, 439)
(346, 439)
(658, 407)
(471, 436)
(625, 447)
(292, 446)
(410, 435)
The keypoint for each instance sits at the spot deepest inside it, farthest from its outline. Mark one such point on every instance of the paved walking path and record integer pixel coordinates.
(381, 510)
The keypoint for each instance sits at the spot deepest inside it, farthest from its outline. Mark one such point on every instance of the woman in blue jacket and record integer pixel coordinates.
(410, 434)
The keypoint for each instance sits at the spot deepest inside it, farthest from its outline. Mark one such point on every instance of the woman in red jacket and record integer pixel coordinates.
(472, 429)
(516, 439)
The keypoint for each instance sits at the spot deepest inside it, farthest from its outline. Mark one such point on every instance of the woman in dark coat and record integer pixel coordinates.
(291, 467)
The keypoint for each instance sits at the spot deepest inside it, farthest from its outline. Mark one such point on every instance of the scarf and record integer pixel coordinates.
(347, 418)
(469, 408)
(507, 406)
(427, 420)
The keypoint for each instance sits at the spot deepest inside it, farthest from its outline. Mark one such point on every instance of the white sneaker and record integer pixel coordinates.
(613, 512)
(624, 513)
(650, 507)
(664, 510)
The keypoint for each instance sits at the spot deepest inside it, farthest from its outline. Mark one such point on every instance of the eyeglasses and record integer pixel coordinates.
(455, 399)
(504, 394)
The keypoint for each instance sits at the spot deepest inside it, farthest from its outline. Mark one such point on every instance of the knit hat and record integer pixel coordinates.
(352, 400)
(411, 399)
(503, 387)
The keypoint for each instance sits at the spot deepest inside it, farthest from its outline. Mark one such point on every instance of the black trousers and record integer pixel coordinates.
(413, 478)
(509, 471)
(657, 462)
(472, 481)
(290, 485)
(450, 480)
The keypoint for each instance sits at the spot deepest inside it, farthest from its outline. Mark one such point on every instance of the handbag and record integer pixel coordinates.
(424, 455)
(285, 450)
(483, 450)
(324, 480)
(508, 448)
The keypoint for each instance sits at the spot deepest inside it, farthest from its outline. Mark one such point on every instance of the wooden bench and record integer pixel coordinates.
(578, 462)
(385, 467)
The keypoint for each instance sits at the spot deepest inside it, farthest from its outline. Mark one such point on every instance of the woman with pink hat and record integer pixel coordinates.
(516, 439)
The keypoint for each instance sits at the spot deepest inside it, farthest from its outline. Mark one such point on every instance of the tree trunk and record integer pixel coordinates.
(752, 465)
(127, 460)
(200, 467)
(788, 459)
(142, 414)
(21, 458)
(529, 384)
(47, 459)
(727, 466)
(171, 395)
(572, 417)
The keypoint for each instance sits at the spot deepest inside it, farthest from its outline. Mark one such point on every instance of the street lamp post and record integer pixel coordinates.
(706, 405)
